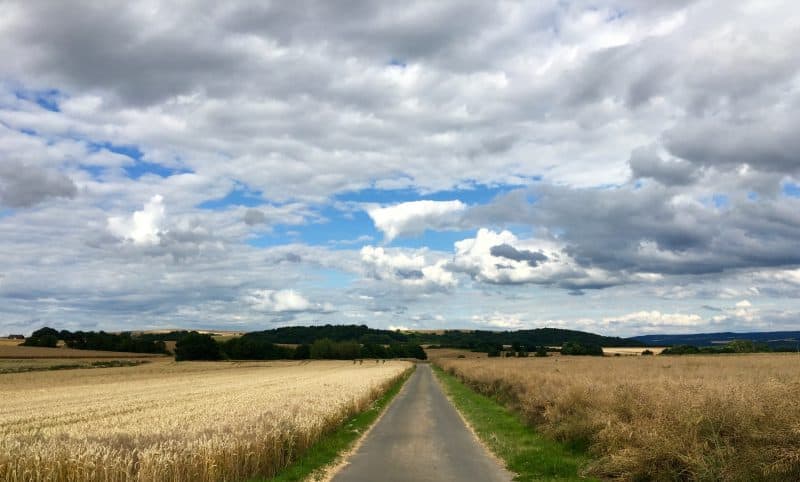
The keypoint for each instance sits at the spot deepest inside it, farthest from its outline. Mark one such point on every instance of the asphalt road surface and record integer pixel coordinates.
(421, 437)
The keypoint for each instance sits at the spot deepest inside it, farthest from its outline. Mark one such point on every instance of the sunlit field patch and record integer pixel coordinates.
(177, 421)
(719, 417)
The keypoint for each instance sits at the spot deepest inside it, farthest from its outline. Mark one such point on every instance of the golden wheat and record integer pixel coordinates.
(176, 422)
(658, 418)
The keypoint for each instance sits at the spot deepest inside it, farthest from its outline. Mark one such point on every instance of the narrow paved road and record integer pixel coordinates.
(421, 437)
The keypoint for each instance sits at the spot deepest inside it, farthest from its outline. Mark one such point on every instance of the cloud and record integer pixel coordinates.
(646, 163)
(413, 218)
(625, 166)
(144, 227)
(282, 301)
(510, 252)
(253, 217)
(500, 320)
(657, 319)
(501, 258)
(410, 270)
(24, 185)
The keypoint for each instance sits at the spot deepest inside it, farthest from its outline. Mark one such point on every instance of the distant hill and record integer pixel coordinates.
(775, 339)
(535, 337)
(449, 338)
(309, 334)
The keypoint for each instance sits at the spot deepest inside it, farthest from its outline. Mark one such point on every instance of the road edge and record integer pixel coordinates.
(329, 471)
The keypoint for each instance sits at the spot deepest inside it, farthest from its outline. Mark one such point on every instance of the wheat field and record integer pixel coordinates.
(168, 421)
(703, 418)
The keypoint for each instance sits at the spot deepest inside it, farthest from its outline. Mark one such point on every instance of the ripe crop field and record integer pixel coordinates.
(177, 421)
(11, 349)
(719, 417)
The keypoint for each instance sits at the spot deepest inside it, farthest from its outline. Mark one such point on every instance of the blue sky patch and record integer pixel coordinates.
(46, 99)
(791, 189)
(478, 194)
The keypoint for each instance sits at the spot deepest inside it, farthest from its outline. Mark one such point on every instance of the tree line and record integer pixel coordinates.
(96, 340)
(735, 346)
(253, 346)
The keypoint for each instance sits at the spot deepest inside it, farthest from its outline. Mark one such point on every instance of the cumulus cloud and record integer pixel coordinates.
(657, 319)
(501, 258)
(632, 164)
(24, 185)
(253, 217)
(510, 252)
(505, 321)
(413, 218)
(282, 301)
(647, 163)
(411, 270)
(144, 227)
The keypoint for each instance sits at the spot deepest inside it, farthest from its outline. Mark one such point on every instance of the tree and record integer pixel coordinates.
(575, 348)
(302, 352)
(541, 351)
(196, 346)
(45, 337)
(322, 349)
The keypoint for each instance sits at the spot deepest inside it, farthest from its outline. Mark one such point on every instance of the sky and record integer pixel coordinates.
(616, 166)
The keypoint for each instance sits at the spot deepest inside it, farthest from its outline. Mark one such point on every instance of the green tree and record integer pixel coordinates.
(196, 346)
(322, 349)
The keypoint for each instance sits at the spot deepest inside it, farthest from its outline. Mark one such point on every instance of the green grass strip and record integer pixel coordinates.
(326, 450)
(526, 453)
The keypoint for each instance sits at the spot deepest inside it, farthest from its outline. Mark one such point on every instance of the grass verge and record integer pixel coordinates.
(325, 451)
(526, 453)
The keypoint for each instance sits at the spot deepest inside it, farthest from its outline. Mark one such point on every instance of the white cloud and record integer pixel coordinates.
(508, 321)
(282, 301)
(406, 269)
(656, 318)
(143, 227)
(413, 218)
(501, 258)
(296, 104)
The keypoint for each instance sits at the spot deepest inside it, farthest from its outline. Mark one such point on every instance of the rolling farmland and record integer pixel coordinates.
(11, 349)
(723, 417)
(169, 421)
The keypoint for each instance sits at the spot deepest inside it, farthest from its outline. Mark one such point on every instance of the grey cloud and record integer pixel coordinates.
(411, 274)
(23, 185)
(253, 217)
(645, 230)
(645, 163)
(510, 252)
(769, 144)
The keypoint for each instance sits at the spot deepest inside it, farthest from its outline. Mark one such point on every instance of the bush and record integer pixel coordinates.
(44, 337)
(575, 348)
(195, 346)
(647, 353)
(541, 351)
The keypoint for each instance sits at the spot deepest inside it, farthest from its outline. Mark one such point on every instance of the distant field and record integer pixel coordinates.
(167, 421)
(453, 353)
(726, 417)
(11, 349)
(631, 351)
(19, 365)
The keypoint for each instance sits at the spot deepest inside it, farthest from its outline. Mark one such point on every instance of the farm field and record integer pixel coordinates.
(39, 364)
(723, 417)
(628, 351)
(11, 349)
(177, 421)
